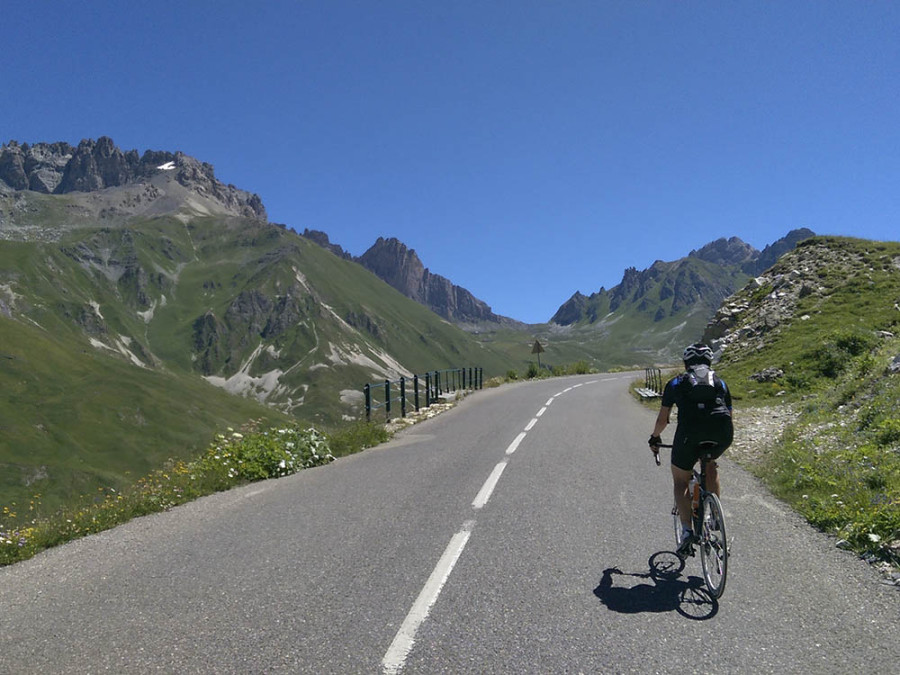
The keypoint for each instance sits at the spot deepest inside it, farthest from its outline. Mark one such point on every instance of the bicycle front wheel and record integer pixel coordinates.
(714, 546)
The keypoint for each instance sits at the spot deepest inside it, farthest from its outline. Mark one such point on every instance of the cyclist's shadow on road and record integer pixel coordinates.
(664, 590)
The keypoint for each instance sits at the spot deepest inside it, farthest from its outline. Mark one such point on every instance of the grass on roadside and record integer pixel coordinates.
(232, 459)
(838, 465)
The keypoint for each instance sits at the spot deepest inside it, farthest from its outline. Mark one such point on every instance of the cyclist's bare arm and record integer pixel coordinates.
(662, 419)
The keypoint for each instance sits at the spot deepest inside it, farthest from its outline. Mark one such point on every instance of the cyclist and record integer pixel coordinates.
(704, 414)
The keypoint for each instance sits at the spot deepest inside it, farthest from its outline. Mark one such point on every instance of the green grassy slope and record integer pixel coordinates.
(824, 325)
(74, 418)
(117, 333)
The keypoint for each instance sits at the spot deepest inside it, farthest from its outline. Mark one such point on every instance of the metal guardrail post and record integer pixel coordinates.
(402, 396)
(653, 379)
(453, 380)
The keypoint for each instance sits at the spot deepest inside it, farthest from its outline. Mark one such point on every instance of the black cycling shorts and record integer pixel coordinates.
(686, 449)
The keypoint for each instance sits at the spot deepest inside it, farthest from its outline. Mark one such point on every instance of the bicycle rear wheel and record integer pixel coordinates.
(714, 546)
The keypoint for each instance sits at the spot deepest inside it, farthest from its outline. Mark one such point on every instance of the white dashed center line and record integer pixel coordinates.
(515, 444)
(403, 642)
(396, 655)
(485, 493)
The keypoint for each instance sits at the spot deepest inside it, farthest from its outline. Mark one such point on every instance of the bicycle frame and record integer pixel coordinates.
(710, 533)
(697, 514)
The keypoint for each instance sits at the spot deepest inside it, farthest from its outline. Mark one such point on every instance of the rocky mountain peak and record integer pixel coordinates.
(731, 251)
(95, 165)
(572, 310)
(400, 266)
(771, 253)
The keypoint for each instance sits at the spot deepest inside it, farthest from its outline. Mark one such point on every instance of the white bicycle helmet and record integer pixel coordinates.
(697, 353)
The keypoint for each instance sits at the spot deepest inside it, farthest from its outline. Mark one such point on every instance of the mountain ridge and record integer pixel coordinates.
(671, 287)
(91, 166)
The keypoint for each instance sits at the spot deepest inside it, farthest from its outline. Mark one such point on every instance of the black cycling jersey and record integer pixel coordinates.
(693, 428)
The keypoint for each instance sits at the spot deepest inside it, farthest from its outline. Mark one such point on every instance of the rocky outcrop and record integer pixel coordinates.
(769, 302)
(400, 267)
(321, 238)
(39, 167)
(59, 168)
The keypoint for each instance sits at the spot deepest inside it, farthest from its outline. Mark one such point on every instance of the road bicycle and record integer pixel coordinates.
(708, 522)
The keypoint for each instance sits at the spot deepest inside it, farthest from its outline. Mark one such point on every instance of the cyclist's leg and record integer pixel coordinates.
(682, 469)
(681, 478)
(712, 469)
(712, 478)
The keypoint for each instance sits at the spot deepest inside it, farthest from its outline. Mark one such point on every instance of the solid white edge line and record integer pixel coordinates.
(541, 411)
(395, 657)
(530, 425)
(515, 444)
(488, 488)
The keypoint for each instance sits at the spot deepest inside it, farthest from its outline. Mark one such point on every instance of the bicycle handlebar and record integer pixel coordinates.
(656, 454)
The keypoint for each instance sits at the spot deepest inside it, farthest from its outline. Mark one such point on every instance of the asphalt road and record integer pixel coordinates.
(512, 534)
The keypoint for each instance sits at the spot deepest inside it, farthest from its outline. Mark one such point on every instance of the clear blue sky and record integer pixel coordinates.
(526, 150)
